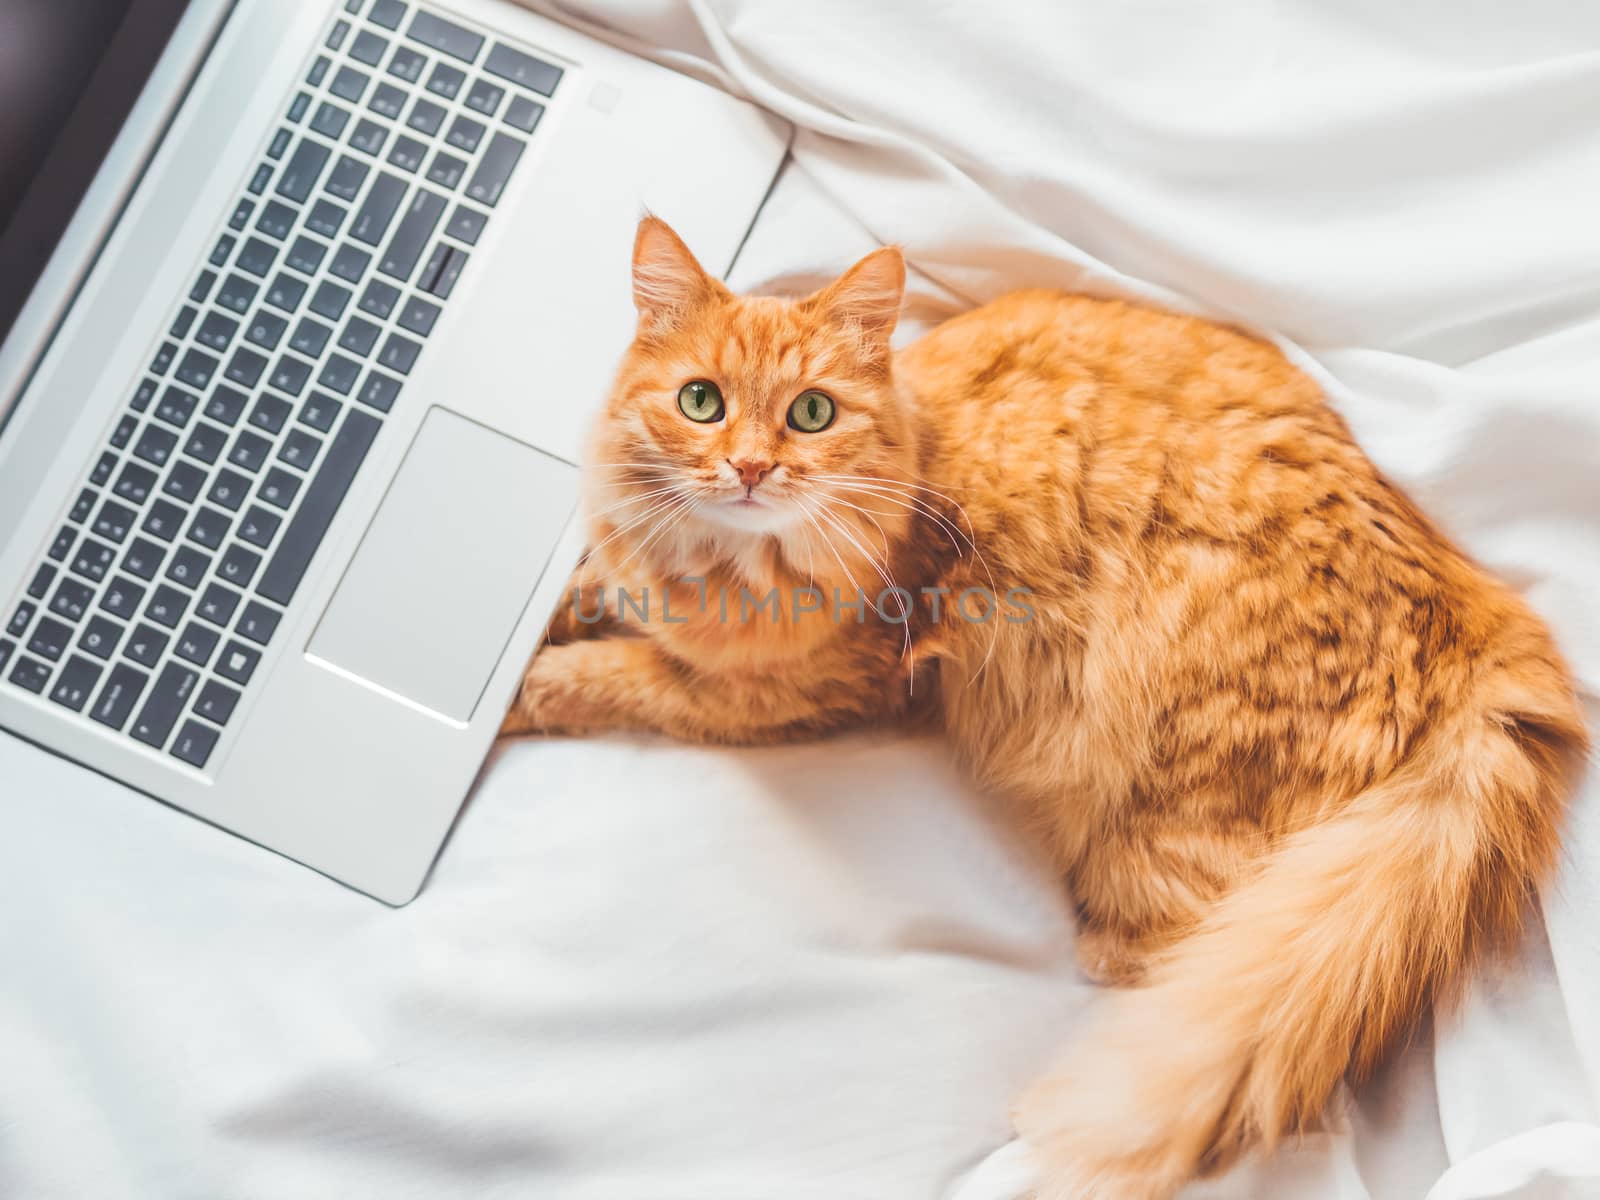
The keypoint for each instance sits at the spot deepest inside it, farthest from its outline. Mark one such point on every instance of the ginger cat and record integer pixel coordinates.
(1301, 763)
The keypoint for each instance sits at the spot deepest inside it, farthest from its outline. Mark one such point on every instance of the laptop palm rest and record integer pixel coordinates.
(446, 567)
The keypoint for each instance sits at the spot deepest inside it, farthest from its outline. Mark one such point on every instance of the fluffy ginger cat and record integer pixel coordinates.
(1300, 762)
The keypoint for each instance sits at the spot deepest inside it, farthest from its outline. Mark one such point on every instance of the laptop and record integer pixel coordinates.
(307, 306)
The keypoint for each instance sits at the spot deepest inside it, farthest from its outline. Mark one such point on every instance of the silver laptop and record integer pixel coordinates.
(309, 307)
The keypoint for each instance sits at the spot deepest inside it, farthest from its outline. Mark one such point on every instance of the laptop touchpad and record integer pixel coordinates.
(447, 565)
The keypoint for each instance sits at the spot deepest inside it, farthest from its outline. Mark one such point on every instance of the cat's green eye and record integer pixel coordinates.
(700, 401)
(811, 411)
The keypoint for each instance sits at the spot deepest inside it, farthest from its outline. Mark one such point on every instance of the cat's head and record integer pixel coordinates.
(741, 418)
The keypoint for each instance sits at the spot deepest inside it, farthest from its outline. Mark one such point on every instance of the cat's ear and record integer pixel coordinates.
(667, 281)
(868, 295)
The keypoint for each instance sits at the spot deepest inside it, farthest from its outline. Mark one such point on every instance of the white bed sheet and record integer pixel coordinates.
(645, 971)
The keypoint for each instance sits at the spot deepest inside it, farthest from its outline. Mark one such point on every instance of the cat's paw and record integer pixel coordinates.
(547, 702)
(1108, 958)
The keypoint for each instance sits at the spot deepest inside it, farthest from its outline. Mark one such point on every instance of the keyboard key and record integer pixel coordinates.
(123, 596)
(489, 180)
(203, 285)
(378, 391)
(166, 606)
(142, 396)
(306, 254)
(286, 292)
(188, 566)
(229, 490)
(196, 643)
(76, 683)
(426, 116)
(236, 293)
(291, 374)
(297, 108)
(176, 407)
(258, 525)
(278, 488)
(447, 170)
(379, 299)
(399, 353)
(388, 13)
(146, 645)
(167, 699)
(100, 637)
(238, 565)
(466, 224)
(407, 153)
(92, 561)
(245, 367)
(205, 443)
(445, 37)
(124, 431)
(337, 34)
(120, 694)
(349, 263)
(216, 331)
(339, 374)
(373, 218)
(523, 113)
(299, 449)
(485, 97)
(196, 368)
(310, 337)
(258, 181)
(50, 639)
(330, 120)
(368, 136)
(142, 558)
(209, 527)
(82, 506)
(217, 604)
(300, 173)
(184, 481)
(280, 143)
(7, 649)
(164, 520)
(532, 73)
(465, 134)
(305, 531)
(257, 622)
(194, 743)
(226, 404)
(359, 336)
(249, 451)
(30, 674)
(407, 64)
(62, 546)
(220, 253)
(387, 101)
(42, 579)
(276, 220)
(411, 235)
(114, 521)
(258, 256)
(270, 412)
(418, 316)
(445, 80)
(71, 599)
(238, 662)
(349, 83)
(20, 619)
(329, 299)
(319, 411)
(163, 359)
(216, 702)
(325, 218)
(346, 178)
(184, 321)
(368, 47)
(241, 214)
(155, 445)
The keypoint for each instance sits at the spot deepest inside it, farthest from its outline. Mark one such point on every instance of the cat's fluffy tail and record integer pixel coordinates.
(1318, 965)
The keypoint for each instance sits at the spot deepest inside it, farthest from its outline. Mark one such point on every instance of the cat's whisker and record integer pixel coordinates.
(649, 512)
(675, 508)
(634, 499)
(883, 536)
(883, 573)
(914, 487)
(810, 515)
(892, 493)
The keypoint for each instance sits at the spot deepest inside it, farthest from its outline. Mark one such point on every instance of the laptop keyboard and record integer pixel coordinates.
(174, 566)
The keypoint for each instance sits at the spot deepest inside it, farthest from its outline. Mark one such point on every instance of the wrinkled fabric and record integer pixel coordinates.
(642, 971)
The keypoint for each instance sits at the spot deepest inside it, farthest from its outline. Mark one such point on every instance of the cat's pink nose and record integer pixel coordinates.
(751, 471)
